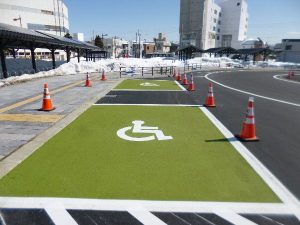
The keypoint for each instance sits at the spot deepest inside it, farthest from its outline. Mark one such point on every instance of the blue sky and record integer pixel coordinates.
(271, 20)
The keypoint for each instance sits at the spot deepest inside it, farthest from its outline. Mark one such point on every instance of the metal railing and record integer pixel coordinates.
(163, 70)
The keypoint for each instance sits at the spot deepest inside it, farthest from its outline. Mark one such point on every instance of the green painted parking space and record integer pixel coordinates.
(138, 152)
(141, 84)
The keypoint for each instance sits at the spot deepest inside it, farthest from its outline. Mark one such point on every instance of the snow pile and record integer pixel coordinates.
(130, 64)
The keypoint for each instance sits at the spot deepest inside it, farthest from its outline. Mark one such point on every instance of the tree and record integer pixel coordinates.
(99, 41)
(68, 35)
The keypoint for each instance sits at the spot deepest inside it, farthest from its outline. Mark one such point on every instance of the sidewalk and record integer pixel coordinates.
(20, 120)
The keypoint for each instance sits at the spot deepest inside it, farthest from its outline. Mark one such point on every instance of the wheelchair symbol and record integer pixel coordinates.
(138, 128)
(149, 84)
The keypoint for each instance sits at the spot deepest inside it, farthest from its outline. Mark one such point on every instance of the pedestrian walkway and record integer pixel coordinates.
(20, 120)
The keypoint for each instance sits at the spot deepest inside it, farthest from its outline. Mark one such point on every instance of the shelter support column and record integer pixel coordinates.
(68, 54)
(3, 63)
(78, 55)
(33, 59)
(53, 58)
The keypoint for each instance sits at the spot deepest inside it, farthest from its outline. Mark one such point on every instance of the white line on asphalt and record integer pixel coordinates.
(249, 93)
(179, 85)
(278, 77)
(167, 105)
(59, 215)
(145, 90)
(145, 216)
(151, 206)
(279, 189)
(233, 217)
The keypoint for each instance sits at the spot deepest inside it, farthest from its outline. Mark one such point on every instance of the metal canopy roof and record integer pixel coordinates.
(223, 50)
(12, 36)
(191, 48)
(252, 51)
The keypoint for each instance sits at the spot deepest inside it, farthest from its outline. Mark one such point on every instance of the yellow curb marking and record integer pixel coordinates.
(27, 101)
(30, 118)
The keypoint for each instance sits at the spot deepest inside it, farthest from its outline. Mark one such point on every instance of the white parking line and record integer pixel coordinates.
(278, 188)
(278, 77)
(249, 93)
(59, 215)
(151, 206)
(166, 105)
(179, 85)
(145, 216)
(233, 217)
(157, 90)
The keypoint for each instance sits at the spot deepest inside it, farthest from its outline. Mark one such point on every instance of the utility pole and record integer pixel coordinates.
(139, 44)
(135, 50)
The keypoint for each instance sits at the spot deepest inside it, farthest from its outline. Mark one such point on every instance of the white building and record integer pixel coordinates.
(78, 36)
(234, 22)
(42, 15)
(208, 24)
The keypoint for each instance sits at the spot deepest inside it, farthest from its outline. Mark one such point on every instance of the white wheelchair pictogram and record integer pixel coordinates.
(147, 84)
(138, 128)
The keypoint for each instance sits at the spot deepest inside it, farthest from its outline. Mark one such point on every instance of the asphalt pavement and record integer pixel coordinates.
(278, 124)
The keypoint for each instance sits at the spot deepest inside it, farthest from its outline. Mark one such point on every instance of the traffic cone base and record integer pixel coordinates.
(243, 139)
(211, 105)
(47, 110)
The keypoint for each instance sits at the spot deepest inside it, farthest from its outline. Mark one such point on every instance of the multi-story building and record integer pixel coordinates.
(289, 51)
(234, 22)
(48, 16)
(162, 45)
(116, 47)
(42, 15)
(206, 24)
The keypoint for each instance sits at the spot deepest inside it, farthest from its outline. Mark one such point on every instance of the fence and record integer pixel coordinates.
(163, 70)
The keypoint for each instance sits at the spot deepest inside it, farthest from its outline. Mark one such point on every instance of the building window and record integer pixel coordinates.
(219, 30)
(47, 12)
(215, 20)
(214, 28)
(288, 47)
(218, 37)
(238, 4)
(216, 12)
(219, 22)
(220, 14)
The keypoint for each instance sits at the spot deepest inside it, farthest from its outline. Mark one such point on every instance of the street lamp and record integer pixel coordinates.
(20, 19)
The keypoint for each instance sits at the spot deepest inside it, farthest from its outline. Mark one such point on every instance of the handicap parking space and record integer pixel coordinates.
(149, 85)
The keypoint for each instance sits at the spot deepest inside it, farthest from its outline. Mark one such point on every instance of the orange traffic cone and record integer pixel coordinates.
(248, 132)
(210, 99)
(178, 78)
(184, 81)
(88, 82)
(191, 84)
(103, 78)
(47, 102)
